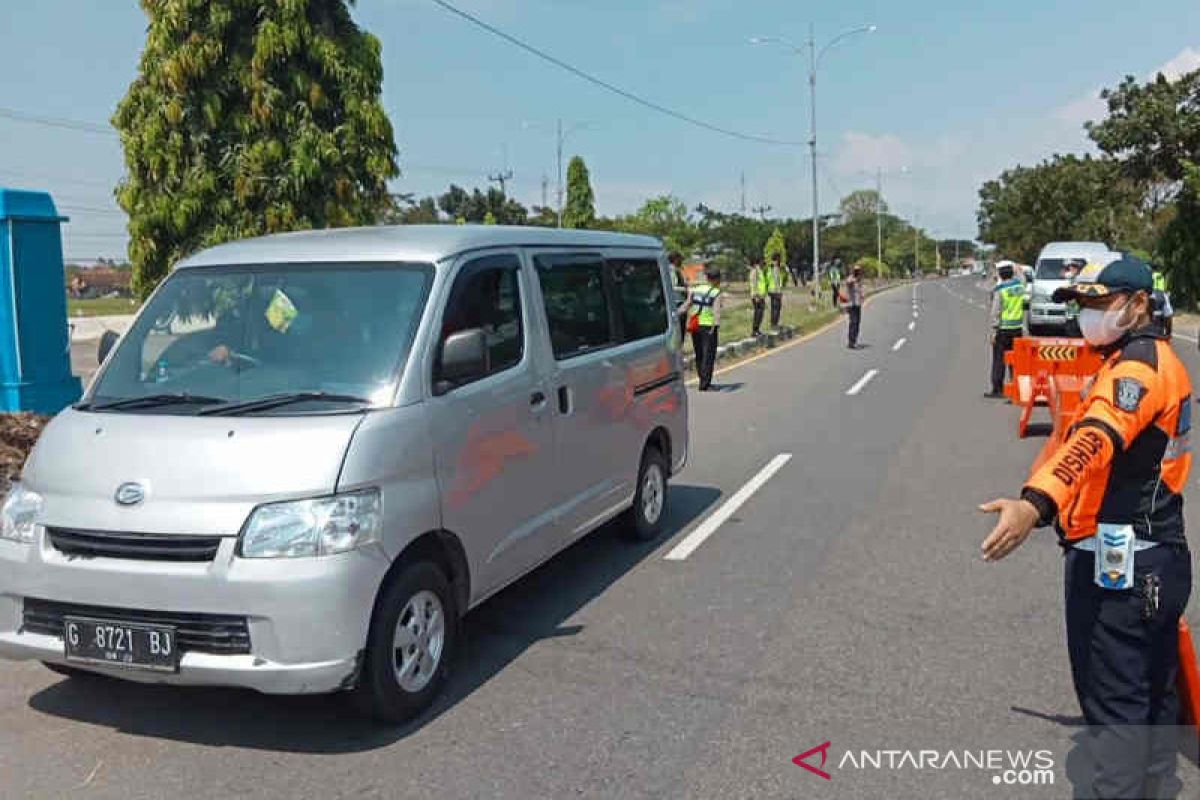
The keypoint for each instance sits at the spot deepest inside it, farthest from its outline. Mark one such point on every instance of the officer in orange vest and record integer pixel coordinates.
(1114, 490)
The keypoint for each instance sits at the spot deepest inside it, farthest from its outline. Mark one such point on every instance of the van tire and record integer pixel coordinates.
(379, 692)
(640, 522)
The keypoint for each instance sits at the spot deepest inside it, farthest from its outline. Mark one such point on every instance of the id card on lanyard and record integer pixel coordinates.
(1115, 546)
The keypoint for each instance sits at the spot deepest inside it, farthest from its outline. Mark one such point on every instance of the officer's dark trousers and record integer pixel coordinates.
(855, 313)
(834, 293)
(1001, 345)
(1124, 667)
(760, 306)
(776, 310)
(704, 344)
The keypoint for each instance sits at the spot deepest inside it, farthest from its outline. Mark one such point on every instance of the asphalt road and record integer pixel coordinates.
(843, 602)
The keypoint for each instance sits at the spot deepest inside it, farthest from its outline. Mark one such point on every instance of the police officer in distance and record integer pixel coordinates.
(1114, 489)
(1008, 317)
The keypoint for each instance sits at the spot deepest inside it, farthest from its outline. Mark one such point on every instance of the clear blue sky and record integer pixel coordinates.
(952, 91)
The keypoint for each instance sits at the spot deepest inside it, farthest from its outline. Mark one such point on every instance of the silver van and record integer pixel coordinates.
(1052, 271)
(312, 453)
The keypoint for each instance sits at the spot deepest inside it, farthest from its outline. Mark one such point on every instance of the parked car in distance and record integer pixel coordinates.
(313, 452)
(1047, 318)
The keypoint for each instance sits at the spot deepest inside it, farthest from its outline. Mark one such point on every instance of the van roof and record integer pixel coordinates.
(1070, 249)
(402, 243)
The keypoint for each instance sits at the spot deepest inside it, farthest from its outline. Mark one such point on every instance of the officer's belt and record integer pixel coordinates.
(1089, 544)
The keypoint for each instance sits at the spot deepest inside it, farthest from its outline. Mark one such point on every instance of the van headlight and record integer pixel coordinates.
(318, 527)
(19, 514)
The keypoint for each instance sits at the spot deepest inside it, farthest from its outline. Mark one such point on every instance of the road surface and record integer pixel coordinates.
(844, 601)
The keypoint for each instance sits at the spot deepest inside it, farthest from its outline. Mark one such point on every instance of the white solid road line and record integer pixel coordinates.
(1185, 337)
(912, 326)
(899, 343)
(862, 382)
(727, 509)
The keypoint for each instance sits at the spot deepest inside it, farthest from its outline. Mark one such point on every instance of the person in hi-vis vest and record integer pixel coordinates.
(703, 310)
(758, 295)
(775, 276)
(1008, 318)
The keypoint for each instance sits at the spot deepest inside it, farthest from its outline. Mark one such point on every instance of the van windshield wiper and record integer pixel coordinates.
(152, 400)
(278, 400)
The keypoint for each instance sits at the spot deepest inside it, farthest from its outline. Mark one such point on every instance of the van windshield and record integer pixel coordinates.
(1056, 269)
(326, 337)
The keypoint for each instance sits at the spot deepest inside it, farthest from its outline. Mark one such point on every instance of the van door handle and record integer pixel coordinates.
(564, 400)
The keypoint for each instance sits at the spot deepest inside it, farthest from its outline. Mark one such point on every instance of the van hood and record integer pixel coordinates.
(199, 475)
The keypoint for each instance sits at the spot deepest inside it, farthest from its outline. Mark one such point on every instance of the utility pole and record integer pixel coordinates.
(916, 249)
(560, 179)
(545, 189)
(742, 207)
(502, 177)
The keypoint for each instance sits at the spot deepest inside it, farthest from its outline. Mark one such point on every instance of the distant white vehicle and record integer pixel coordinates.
(1051, 272)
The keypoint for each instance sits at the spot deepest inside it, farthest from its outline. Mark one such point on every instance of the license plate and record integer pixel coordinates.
(121, 644)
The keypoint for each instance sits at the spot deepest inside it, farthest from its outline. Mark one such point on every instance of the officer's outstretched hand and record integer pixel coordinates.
(1017, 520)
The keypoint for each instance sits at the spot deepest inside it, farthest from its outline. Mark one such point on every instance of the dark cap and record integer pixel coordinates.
(1126, 274)
(712, 273)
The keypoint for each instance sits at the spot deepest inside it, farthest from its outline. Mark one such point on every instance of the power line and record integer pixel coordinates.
(56, 122)
(749, 137)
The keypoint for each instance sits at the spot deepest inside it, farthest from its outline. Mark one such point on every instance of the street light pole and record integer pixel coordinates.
(812, 146)
(814, 61)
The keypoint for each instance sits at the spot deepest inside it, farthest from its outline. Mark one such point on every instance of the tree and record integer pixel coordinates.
(1065, 198)
(406, 210)
(248, 118)
(667, 218)
(1153, 128)
(580, 208)
(475, 206)
(1179, 247)
(776, 245)
(862, 203)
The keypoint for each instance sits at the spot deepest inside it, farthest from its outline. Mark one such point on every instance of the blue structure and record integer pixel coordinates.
(35, 344)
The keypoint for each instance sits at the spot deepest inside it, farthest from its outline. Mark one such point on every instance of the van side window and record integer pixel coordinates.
(576, 301)
(487, 295)
(640, 296)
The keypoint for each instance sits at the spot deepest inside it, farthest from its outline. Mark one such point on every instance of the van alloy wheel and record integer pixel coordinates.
(418, 641)
(653, 493)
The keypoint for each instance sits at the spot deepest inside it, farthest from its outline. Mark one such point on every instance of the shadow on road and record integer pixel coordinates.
(495, 634)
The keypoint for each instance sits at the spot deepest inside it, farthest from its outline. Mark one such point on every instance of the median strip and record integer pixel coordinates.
(707, 528)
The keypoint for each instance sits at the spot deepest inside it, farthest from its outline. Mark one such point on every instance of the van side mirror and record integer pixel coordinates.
(108, 340)
(464, 358)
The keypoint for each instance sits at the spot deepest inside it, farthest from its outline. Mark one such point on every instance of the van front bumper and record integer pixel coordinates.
(307, 618)
(1049, 314)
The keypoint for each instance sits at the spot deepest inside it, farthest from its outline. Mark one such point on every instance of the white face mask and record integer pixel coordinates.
(1102, 327)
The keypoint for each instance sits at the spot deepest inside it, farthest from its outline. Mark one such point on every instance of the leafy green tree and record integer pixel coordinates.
(1179, 247)
(248, 118)
(1065, 198)
(776, 245)
(580, 208)
(407, 210)
(862, 203)
(667, 218)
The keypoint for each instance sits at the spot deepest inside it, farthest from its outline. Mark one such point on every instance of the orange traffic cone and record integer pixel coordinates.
(1189, 677)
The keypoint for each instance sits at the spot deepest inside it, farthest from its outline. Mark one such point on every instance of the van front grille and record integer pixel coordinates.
(223, 634)
(136, 546)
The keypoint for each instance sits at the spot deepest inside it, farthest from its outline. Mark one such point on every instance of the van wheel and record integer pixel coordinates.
(643, 521)
(412, 641)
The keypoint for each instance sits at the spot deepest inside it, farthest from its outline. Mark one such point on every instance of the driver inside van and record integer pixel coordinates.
(285, 317)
